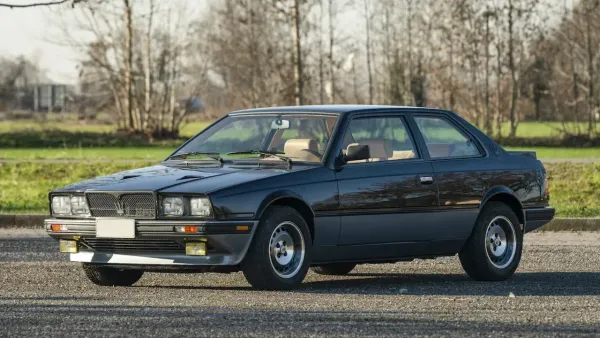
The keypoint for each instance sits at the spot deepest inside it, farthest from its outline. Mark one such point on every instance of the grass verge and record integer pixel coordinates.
(160, 152)
(24, 187)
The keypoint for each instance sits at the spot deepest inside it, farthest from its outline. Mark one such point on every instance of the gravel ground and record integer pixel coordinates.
(556, 292)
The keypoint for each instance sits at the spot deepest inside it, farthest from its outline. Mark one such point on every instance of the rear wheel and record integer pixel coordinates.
(110, 276)
(493, 251)
(279, 256)
(334, 269)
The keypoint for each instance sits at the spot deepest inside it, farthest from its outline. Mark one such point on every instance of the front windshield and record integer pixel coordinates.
(301, 137)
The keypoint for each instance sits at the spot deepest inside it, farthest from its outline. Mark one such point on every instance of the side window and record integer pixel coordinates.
(444, 140)
(387, 138)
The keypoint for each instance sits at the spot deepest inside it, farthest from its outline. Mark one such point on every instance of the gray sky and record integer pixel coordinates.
(33, 32)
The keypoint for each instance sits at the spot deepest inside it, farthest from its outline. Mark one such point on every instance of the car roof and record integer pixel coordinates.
(337, 108)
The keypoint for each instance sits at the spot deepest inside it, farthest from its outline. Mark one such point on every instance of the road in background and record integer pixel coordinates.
(556, 293)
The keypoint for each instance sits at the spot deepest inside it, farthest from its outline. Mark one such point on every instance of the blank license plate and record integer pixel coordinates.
(115, 228)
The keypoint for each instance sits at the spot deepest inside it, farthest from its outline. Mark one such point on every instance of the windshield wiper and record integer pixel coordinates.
(214, 156)
(261, 152)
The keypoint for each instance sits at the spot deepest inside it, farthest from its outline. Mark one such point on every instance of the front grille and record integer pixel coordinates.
(141, 206)
(132, 245)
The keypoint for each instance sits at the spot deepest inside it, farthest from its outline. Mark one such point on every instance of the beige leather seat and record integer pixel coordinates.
(402, 155)
(380, 150)
(302, 150)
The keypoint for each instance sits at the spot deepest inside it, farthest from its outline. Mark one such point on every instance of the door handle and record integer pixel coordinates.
(426, 179)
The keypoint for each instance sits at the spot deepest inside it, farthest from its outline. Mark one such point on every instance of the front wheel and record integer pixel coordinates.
(279, 256)
(493, 251)
(109, 276)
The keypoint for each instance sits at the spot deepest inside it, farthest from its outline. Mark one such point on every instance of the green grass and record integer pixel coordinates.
(575, 189)
(145, 153)
(542, 129)
(187, 130)
(159, 153)
(24, 187)
(566, 153)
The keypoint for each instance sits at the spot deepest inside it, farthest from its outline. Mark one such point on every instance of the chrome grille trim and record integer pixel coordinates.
(130, 205)
(132, 245)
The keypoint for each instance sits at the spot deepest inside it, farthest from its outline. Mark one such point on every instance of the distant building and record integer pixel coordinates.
(50, 97)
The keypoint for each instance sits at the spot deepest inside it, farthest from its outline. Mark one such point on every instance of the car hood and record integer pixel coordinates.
(167, 177)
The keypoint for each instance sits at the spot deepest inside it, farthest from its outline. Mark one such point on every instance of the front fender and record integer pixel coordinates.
(278, 195)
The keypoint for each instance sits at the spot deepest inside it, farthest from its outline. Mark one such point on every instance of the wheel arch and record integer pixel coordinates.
(293, 200)
(507, 196)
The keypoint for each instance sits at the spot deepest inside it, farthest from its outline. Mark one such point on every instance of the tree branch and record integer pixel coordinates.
(36, 4)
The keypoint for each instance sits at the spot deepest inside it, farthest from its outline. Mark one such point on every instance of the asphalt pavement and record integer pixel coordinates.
(556, 292)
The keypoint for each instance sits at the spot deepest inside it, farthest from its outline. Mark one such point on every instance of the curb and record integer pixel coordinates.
(22, 221)
(558, 224)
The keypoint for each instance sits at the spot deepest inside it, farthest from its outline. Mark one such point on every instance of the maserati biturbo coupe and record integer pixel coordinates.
(272, 192)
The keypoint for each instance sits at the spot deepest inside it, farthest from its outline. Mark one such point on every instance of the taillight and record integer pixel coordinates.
(546, 189)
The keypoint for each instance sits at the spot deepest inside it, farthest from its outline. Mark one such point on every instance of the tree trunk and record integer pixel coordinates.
(487, 123)
(298, 76)
(369, 71)
(330, 56)
(321, 59)
(148, 72)
(129, 63)
(591, 94)
(410, 70)
(513, 70)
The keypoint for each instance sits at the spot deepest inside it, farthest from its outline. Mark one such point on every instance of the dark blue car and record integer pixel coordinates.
(272, 192)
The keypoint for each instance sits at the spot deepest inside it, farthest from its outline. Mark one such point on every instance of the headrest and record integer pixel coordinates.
(302, 149)
(379, 148)
(294, 145)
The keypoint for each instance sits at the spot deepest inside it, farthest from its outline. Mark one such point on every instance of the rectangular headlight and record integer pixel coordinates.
(79, 206)
(61, 205)
(172, 206)
(200, 206)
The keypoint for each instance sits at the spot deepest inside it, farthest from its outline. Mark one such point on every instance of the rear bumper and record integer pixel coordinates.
(537, 218)
(158, 243)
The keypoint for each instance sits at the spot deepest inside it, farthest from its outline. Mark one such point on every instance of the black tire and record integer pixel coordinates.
(259, 265)
(109, 276)
(479, 257)
(337, 269)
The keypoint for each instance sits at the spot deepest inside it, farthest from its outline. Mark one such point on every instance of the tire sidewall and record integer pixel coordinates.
(259, 252)
(486, 218)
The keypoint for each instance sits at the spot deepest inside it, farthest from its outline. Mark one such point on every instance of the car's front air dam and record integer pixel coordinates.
(212, 243)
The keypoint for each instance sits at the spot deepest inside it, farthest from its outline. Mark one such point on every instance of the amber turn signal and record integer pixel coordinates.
(187, 228)
(58, 227)
(242, 228)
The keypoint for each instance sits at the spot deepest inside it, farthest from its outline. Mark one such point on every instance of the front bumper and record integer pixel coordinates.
(538, 217)
(157, 242)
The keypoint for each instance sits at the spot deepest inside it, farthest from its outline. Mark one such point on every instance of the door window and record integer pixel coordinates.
(387, 137)
(444, 139)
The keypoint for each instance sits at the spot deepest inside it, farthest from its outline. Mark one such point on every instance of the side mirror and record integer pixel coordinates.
(357, 152)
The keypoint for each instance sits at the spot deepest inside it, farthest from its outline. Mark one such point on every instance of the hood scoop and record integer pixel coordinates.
(126, 177)
(190, 177)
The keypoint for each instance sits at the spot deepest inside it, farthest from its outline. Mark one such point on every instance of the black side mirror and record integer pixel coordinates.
(357, 152)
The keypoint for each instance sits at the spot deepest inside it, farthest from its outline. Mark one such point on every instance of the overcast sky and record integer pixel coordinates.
(33, 32)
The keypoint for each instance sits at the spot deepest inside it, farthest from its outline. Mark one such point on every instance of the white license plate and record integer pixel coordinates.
(115, 228)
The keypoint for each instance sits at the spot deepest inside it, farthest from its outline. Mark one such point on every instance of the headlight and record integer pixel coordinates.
(172, 206)
(200, 206)
(79, 206)
(70, 206)
(61, 205)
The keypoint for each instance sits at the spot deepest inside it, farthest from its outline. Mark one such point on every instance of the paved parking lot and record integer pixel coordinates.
(556, 292)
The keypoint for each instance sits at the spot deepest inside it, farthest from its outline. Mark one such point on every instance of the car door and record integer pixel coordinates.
(384, 199)
(459, 166)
